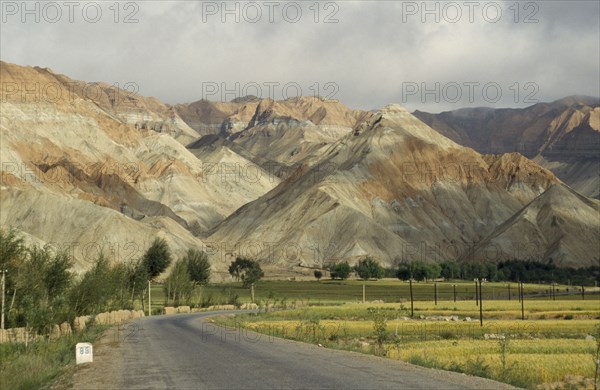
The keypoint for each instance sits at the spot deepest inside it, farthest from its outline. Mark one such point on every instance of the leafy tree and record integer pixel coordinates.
(42, 280)
(94, 290)
(12, 256)
(198, 266)
(12, 249)
(369, 269)
(253, 275)
(341, 271)
(432, 271)
(179, 285)
(137, 280)
(157, 258)
(318, 274)
(419, 270)
(405, 271)
(237, 267)
(491, 272)
(246, 270)
(450, 270)
(58, 276)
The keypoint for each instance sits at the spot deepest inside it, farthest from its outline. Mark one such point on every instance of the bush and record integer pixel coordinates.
(379, 327)
(318, 274)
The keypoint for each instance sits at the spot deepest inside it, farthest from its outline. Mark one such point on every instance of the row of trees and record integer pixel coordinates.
(365, 269)
(507, 271)
(42, 290)
(513, 270)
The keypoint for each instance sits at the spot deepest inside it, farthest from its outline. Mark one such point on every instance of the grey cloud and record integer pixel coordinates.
(369, 54)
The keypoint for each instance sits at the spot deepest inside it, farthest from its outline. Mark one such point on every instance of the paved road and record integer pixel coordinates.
(187, 352)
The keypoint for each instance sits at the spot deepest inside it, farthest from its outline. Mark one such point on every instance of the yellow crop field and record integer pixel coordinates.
(553, 347)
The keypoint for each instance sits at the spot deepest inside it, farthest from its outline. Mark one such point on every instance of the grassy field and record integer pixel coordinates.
(42, 363)
(327, 292)
(547, 350)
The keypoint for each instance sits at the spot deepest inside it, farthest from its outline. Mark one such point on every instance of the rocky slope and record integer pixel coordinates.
(394, 189)
(559, 226)
(563, 136)
(305, 181)
(280, 136)
(68, 152)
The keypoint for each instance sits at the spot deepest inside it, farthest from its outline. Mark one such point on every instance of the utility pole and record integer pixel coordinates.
(149, 298)
(454, 289)
(480, 304)
(4, 271)
(412, 308)
(476, 294)
(522, 302)
(364, 293)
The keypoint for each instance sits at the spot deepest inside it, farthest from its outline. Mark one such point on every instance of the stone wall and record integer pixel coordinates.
(20, 335)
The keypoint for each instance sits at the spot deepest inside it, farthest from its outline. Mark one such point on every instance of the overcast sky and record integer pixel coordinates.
(371, 53)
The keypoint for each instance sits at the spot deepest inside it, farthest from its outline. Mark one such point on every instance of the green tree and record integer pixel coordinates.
(198, 266)
(491, 272)
(341, 271)
(246, 270)
(12, 256)
(179, 285)
(93, 291)
(58, 276)
(157, 258)
(12, 249)
(432, 271)
(137, 280)
(419, 270)
(404, 271)
(369, 269)
(318, 274)
(43, 281)
(450, 270)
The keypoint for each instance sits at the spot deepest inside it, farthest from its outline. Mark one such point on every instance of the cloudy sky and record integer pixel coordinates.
(430, 56)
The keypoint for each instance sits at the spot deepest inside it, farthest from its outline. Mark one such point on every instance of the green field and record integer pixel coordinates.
(388, 290)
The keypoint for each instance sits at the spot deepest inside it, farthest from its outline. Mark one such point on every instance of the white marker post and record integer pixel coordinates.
(84, 353)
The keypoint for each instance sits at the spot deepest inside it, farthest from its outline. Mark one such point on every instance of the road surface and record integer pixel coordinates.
(187, 351)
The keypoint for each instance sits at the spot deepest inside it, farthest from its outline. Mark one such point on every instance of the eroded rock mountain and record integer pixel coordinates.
(563, 136)
(306, 181)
